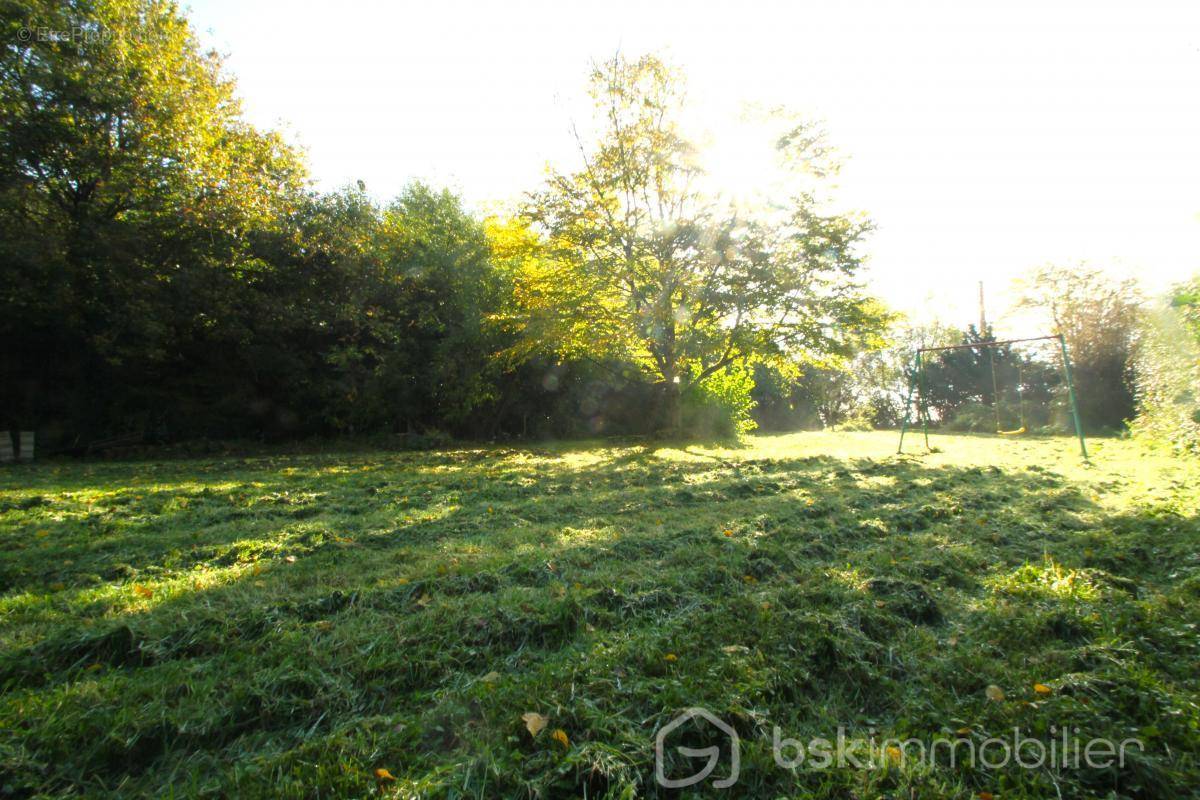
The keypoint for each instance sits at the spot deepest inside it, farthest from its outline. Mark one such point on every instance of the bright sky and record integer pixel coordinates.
(982, 138)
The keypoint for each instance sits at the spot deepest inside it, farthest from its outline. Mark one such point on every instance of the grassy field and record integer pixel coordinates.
(285, 626)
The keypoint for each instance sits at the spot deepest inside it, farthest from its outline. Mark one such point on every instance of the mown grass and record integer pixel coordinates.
(285, 626)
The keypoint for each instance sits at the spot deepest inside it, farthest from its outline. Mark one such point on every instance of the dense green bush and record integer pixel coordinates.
(721, 404)
(1168, 373)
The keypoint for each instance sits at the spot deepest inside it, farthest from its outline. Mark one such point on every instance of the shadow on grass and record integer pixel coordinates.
(401, 580)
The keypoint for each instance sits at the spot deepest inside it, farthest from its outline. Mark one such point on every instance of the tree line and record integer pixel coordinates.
(170, 271)
(169, 274)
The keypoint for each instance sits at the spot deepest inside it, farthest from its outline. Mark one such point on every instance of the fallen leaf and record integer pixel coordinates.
(727, 532)
(383, 775)
(735, 648)
(894, 753)
(560, 736)
(963, 731)
(143, 591)
(670, 657)
(994, 692)
(290, 559)
(1042, 688)
(985, 796)
(535, 723)
(42, 534)
(491, 677)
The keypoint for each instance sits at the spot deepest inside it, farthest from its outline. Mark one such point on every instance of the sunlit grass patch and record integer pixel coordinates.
(1048, 580)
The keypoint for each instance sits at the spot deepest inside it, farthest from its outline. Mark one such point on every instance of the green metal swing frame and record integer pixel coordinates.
(916, 383)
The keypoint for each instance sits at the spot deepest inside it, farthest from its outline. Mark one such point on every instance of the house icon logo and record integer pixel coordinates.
(713, 753)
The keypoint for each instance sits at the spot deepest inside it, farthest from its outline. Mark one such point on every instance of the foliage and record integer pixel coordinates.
(1168, 372)
(286, 626)
(639, 265)
(721, 404)
(187, 278)
(124, 149)
(1099, 318)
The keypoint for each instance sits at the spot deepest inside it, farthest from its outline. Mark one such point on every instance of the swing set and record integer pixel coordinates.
(916, 384)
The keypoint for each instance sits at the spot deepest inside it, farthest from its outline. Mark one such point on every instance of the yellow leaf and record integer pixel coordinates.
(963, 731)
(560, 736)
(42, 534)
(491, 677)
(535, 723)
(383, 775)
(994, 692)
(727, 532)
(894, 753)
(671, 657)
(1042, 688)
(143, 591)
(256, 569)
(735, 648)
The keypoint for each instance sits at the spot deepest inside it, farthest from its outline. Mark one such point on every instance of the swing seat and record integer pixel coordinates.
(1017, 432)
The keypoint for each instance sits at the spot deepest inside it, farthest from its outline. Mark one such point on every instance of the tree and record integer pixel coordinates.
(640, 264)
(130, 188)
(1099, 318)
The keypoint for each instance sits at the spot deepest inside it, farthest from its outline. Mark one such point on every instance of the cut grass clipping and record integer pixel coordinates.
(520, 622)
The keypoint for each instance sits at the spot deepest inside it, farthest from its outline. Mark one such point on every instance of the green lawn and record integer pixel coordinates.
(284, 626)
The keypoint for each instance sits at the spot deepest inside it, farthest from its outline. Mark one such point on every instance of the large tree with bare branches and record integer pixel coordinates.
(642, 262)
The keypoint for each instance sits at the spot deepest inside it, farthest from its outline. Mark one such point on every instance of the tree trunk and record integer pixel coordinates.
(671, 419)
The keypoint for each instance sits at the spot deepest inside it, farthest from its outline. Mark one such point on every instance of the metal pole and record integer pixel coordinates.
(921, 401)
(986, 344)
(1062, 341)
(912, 382)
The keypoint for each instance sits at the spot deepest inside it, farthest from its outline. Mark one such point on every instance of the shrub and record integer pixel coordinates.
(1168, 374)
(720, 405)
